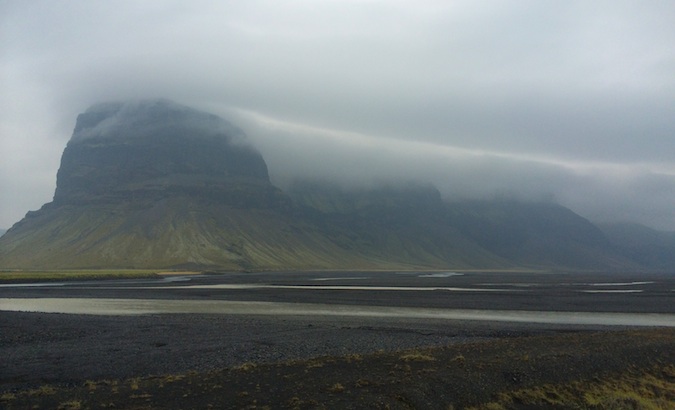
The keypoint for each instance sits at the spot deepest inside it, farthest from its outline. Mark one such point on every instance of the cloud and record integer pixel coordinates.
(603, 191)
(572, 99)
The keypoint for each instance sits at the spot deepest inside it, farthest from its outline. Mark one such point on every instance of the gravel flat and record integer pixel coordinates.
(39, 348)
(69, 349)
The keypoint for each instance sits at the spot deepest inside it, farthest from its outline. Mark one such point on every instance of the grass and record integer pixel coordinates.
(60, 275)
(336, 388)
(7, 396)
(416, 356)
(70, 405)
(134, 383)
(45, 390)
(653, 390)
(245, 367)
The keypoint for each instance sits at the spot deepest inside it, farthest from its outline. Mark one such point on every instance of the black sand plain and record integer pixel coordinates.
(52, 360)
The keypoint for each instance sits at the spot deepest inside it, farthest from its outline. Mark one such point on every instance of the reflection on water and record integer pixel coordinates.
(331, 287)
(613, 291)
(32, 285)
(440, 275)
(622, 283)
(72, 283)
(93, 306)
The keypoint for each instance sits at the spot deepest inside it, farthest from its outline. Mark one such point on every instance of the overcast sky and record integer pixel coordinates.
(565, 100)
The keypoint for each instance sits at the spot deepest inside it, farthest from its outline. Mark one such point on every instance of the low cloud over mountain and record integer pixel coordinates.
(154, 184)
(524, 99)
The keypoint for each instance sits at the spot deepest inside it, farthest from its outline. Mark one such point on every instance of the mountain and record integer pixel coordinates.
(647, 246)
(158, 149)
(486, 233)
(536, 234)
(2, 231)
(154, 184)
(406, 222)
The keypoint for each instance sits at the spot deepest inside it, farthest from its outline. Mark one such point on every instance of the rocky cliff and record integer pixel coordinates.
(158, 149)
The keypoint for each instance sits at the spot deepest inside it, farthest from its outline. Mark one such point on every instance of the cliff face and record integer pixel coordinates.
(157, 149)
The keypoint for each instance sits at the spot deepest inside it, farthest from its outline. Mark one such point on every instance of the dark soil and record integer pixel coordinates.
(198, 361)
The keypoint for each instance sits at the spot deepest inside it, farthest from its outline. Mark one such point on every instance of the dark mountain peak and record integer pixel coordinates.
(146, 118)
(155, 148)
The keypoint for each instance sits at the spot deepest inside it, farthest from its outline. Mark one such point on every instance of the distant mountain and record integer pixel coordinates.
(153, 184)
(407, 223)
(647, 246)
(480, 233)
(2, 231)
(536, 234)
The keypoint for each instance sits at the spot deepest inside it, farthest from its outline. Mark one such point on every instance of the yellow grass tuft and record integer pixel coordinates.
(134, 383)
(647, 391)
(70, 405)
(417, 357)
(245, 367)
(7, 396)
(336, 388)
(42, 391)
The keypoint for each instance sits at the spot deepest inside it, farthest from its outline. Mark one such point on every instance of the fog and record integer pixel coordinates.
(140, 118)
(567, 101)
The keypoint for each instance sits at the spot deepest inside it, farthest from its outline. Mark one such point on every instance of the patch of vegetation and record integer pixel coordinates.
(7, 396)
(65, 275)
(416, 356)
(172, 378)
(336, 388)
(70, 405)
(245, 367)
(354, 357)
(651, 390)
(134, 383)
(42, 391)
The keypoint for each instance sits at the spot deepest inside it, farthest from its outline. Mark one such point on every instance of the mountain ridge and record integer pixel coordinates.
(647, 246)
(153, 184)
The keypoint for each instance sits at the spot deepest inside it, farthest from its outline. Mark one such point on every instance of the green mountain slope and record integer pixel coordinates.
(173, 232)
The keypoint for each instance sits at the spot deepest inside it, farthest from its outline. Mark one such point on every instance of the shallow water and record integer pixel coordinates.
(95, 306)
